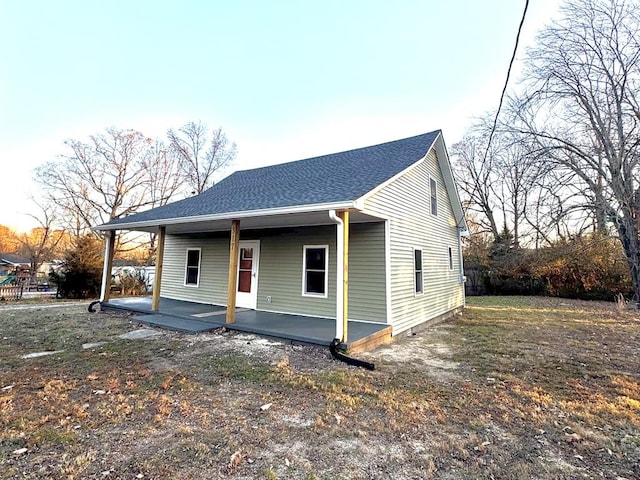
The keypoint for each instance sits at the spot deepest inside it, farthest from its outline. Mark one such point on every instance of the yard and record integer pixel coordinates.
(513, 388)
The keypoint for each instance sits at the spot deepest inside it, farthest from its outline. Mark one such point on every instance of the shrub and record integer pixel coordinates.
(589, 267)
(131, 281)
(80, 275)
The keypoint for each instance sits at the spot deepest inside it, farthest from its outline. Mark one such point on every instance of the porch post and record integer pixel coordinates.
(109, 247)
(157, 277)
(344, 216)
(234, 244)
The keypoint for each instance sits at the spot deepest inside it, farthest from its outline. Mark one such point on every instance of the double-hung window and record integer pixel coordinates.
(315, 270)
(192, 270)
(433, 193)
(418, 272)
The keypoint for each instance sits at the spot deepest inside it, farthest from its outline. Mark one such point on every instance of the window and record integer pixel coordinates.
(192, 274)
(245, 270)
(450, 258)
(315, 261)
(434, 196)
(417, 271)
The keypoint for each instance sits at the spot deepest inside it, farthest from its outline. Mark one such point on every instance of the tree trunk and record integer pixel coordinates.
(628, 234)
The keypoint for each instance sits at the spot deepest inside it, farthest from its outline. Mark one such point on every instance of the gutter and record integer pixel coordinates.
(319, 207)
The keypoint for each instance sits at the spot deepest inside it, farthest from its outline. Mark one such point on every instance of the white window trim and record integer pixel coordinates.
(326, 272)
(186, 266)
(450, 258)
(413, 270)
(434, 184)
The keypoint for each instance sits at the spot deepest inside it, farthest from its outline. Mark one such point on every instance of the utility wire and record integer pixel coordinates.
(504, 89)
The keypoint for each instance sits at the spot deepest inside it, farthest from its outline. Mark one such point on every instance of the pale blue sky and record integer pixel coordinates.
(284, 79)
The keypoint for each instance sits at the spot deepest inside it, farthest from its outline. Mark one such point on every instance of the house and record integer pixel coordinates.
(15, 266)
(368, 235)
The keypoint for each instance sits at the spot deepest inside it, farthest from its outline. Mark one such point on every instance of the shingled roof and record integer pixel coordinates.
(334, 178)
(13, 259)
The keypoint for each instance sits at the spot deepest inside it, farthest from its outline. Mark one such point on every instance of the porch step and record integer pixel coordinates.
(381, 337)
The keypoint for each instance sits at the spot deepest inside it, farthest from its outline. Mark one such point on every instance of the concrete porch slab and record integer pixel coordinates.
(193, 317)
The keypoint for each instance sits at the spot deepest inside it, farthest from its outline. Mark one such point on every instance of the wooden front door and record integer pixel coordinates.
(248, 260)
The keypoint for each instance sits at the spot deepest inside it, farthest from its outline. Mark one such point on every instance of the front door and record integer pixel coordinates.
(247, 290)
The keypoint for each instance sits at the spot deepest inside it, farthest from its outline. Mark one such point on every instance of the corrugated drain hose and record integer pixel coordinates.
(333, 347)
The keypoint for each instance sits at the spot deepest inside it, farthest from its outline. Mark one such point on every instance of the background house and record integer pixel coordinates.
(14, 268)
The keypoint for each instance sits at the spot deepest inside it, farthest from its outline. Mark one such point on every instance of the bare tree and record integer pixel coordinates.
(163, 174)
(164, 183)
(550, 206)
(519, 174)
(201, 154)
(42, 242)
(500, 180)
(99, 180)
(581, 109)
(476, 177)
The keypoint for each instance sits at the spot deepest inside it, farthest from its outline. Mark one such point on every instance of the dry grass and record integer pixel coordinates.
(513, 388)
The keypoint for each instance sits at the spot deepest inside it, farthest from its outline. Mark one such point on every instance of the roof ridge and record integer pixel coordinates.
(342, 152)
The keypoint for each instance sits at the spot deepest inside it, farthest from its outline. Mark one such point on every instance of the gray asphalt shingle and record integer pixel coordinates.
(337, 177)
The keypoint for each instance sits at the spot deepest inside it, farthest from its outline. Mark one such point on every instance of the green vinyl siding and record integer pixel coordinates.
(280, 270)
(214, 265)
(406, 203)
(367, 295)
(280, 276)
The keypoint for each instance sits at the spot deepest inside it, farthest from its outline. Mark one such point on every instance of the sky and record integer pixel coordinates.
(284, 79)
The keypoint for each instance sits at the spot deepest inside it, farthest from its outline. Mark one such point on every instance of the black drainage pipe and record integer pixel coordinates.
(333, 347)
(93, 304)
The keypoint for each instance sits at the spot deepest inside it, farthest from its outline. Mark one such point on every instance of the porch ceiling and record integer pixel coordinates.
(197, 225)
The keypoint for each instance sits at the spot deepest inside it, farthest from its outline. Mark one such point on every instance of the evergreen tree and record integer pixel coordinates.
(81, 273)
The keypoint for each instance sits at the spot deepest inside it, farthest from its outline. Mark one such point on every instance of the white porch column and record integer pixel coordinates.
(109, 247)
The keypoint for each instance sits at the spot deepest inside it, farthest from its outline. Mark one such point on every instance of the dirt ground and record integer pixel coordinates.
(514, 388)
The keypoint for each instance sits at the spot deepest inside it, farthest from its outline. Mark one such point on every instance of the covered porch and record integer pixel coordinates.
(197, 317)
(242, 278)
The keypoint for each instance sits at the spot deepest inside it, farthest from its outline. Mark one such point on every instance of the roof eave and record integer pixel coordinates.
(450, 182)
(226, 216)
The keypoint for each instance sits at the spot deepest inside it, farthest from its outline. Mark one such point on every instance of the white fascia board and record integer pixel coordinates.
(370, 213)
(228, 216)
(445, 167)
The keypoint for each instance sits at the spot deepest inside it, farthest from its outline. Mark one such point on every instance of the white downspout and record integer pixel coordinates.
(339, 273)
(463, 278)
(106, 275)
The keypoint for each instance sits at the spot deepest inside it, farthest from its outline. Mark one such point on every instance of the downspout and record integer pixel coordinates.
(339, 275)
(463, 278)
(341, 318)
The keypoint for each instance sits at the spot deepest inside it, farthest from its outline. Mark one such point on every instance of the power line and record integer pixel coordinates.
(504, 88)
